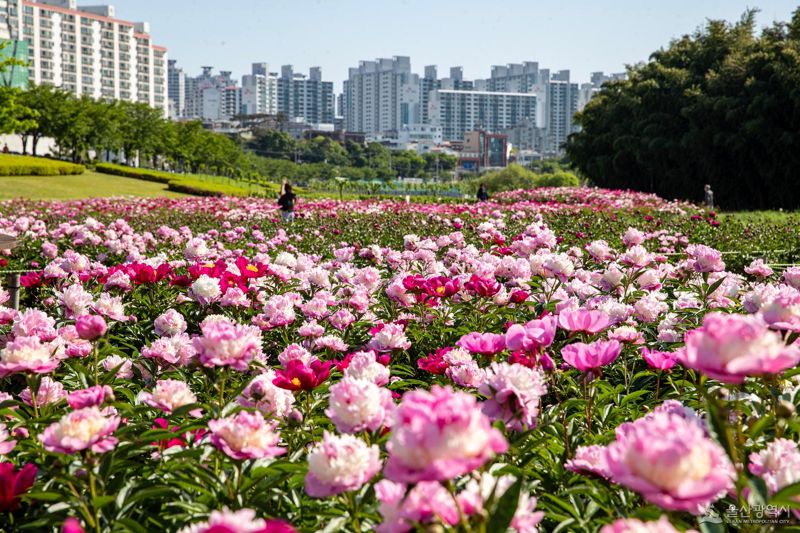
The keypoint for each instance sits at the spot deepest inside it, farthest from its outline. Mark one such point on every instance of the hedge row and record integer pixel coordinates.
(23, 165)
(189, 184)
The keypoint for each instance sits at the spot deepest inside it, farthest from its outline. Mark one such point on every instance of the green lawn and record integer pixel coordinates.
(87, 185)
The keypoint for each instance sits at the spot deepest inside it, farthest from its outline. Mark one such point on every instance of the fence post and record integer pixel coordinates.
(13, 290)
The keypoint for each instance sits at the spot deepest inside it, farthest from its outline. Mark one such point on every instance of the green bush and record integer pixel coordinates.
(145, 174)
(23, 165)
(512, 177)
(557, 179)
(205, 188)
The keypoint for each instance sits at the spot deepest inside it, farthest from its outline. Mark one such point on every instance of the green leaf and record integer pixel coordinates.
(506, 508)
(786, 496)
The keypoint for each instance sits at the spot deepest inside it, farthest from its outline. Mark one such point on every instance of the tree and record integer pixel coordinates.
(720, 106)
(512, 177)
(47, 103)
(273, 143)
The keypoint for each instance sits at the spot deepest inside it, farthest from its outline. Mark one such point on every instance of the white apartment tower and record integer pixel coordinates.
(260, 91)
(458, 111)
(88, 51)
(381, 96)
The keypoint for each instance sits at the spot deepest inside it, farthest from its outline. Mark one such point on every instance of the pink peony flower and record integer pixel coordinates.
(87, 428)
(365, 365)
(732, 347)
(670, 462)
(439, 435)
(583, 320)
(533, 336)
(264, 395)
(90, 397)
(778, 464)
(659, 360)
(513, 393)
(634, 525)
(34, 323)
(168, 395)
(90, 327)
(50, 391)
(169, 323)
(27, 354)
(590, 357)
(358, 405)
(589, 460)
(340, 464)
(487, 344)
(246, 436)
(6, 443)
(125, 366)
(388, 337)
(704, 259)
(241, 521)
(224, 343)
(759, 269)
(426, 503)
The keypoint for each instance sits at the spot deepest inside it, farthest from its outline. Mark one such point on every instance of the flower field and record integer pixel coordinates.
(555, 359)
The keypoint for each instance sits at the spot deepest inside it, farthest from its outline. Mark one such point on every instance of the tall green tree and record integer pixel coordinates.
(720, 106)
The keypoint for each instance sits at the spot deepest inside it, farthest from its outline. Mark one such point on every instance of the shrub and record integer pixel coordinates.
(557, 179)
(145, 174)
(23, 165)
(205, 188)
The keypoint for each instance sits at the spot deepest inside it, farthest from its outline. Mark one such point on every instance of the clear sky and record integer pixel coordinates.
(581, 35)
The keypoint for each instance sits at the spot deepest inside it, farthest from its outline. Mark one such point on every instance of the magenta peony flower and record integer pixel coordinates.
(90, 397)
(359, 405)
(14, 483)
(439, 435)
(224, 343)
(168, 395)
(634, 525)
(583, 320)
(533, 336)
(513, 393)
(659, 360)
(487, 344)
(27, 354)
(87, 428)
(732, 347)
(246, 436)
(340, 464)
(590, 357)
(90, 327)
(670, 462)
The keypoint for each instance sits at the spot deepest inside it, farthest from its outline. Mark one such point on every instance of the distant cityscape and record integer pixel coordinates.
(88, 51)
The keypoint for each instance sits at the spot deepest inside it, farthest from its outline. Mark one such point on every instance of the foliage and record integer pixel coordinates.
(195, 184)
(20, 165)
(717, 107)
(557, 179)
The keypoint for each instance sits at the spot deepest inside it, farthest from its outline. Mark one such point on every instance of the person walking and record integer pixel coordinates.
(483, 195)
(286, 203)
(709, 197)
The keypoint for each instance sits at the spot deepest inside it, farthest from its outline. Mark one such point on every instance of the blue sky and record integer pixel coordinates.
(580, 35)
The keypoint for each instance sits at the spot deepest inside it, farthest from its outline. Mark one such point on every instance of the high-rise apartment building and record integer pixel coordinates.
(87, 50)
(176, 89)
(460, 111)
(381, 96)
(305, 98)
(260, 91)
(212, 96)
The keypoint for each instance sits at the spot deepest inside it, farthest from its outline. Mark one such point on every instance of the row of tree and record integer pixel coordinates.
(380, 162)
(718, 107)
(81, 126)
